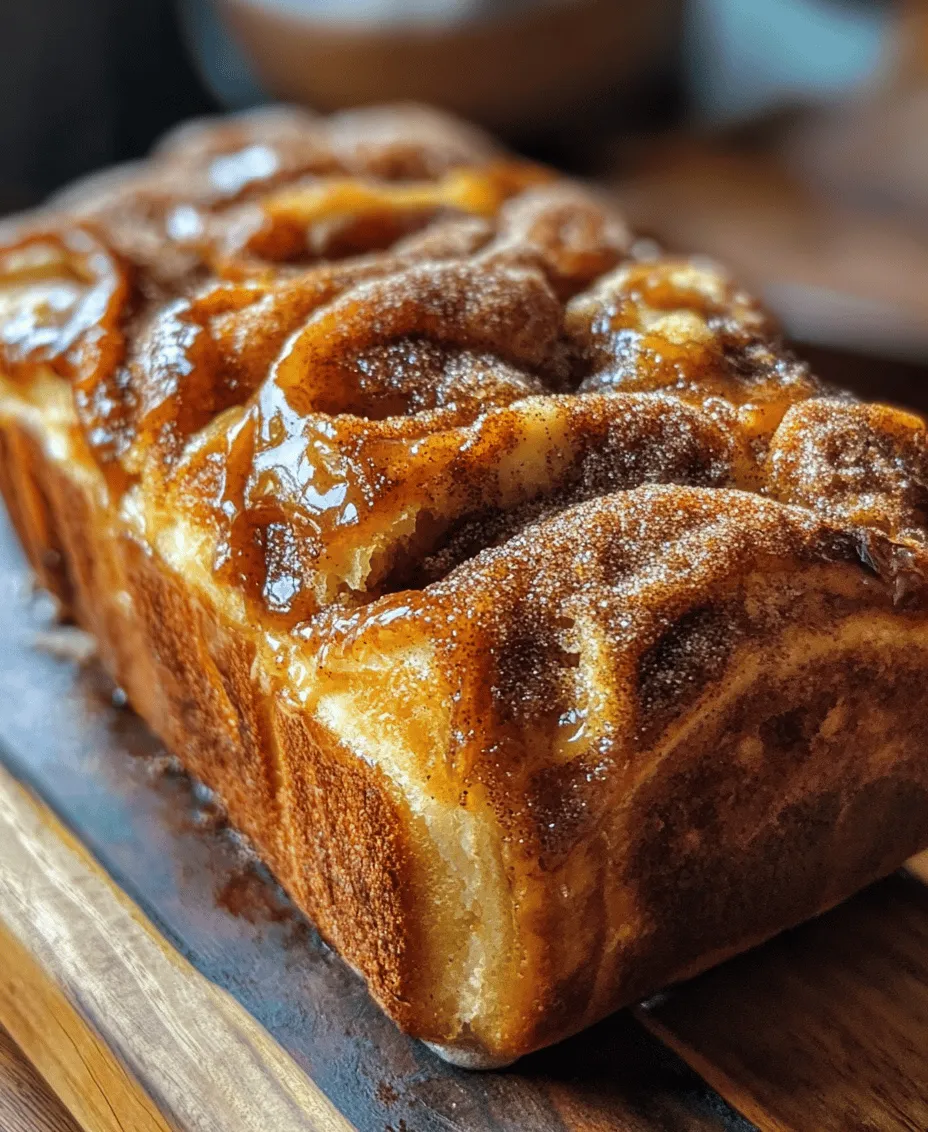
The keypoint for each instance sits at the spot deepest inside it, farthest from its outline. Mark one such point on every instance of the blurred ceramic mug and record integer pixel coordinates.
(510, 64)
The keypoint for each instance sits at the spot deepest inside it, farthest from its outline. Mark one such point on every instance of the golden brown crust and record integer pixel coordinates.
(548, 627)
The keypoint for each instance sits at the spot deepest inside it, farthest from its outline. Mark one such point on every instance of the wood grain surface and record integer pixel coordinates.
(74, 1059)
(826, 1027)
(27, 1104)
(88, 986)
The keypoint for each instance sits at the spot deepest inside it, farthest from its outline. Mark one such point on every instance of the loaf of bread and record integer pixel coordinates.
(548, 628)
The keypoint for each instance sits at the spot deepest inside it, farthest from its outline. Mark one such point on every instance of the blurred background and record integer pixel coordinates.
(787, 137)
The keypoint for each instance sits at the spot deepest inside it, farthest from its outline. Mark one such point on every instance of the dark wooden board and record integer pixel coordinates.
(824, 1028)
(158, 836)
(27, 1104)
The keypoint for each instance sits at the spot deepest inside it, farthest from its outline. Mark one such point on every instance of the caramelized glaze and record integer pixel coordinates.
(440, 528)
(355, 351)
(340, 426)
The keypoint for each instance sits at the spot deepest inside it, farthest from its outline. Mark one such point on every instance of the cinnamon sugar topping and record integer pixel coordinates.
(355, 351)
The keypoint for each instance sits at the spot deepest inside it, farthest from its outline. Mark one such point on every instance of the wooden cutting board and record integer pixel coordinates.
(157, 977)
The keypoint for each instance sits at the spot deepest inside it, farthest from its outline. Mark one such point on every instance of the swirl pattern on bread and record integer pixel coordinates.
(548, 627)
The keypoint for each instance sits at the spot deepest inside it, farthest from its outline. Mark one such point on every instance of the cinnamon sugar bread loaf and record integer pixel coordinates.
(547, 627)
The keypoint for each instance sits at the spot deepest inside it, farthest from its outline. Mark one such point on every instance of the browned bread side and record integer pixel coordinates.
(547, 627)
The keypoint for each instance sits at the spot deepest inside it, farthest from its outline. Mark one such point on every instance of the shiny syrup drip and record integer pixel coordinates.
(337, 422)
